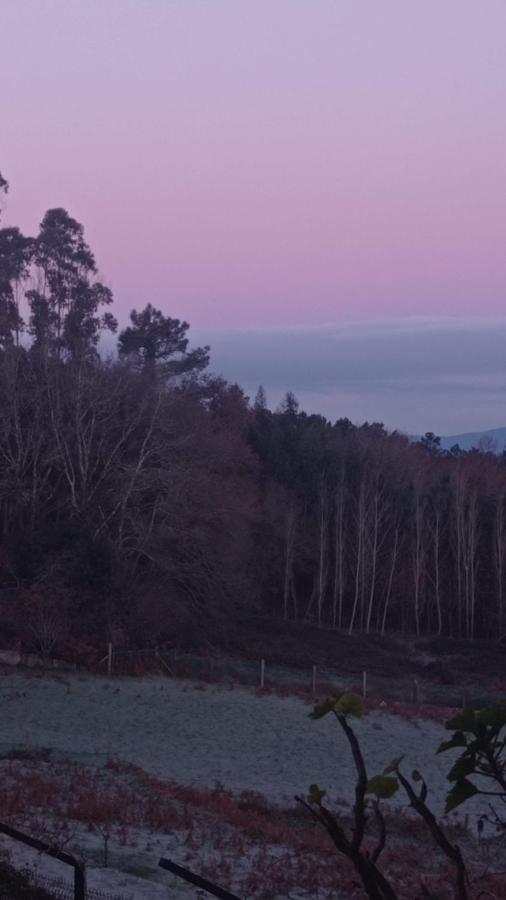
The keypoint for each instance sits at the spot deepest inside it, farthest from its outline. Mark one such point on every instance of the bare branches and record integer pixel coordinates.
(452, 851)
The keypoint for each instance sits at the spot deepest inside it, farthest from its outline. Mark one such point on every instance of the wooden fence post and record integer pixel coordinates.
(79, 883)
(109, 659)
(364, 685)
(314, 679)
(415, 690)
(67, 858)
(262, 673)
(197, 880)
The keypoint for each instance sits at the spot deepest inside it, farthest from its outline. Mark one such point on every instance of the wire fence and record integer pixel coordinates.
(403, 686)
(59, 889)
(259, 673)
(266, 675)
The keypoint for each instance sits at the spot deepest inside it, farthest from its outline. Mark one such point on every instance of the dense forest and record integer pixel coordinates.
(140, 495)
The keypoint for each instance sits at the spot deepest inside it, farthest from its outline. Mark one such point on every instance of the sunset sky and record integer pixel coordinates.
(280, 165)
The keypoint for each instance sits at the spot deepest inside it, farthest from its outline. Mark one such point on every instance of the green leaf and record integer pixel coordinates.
(315, 795)
(349, 705)
(322, 709)
(465, 765)
(493, 716)
(457, 740)
(464, 721)
(461, 792)
(416, 775)
(382, 786)
(393, 766)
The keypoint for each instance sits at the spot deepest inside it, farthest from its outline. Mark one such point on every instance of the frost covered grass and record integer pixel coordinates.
(202, 774)
(240, 841)
(198, 734)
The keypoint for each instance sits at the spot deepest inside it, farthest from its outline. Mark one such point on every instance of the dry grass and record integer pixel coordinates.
(239, 841)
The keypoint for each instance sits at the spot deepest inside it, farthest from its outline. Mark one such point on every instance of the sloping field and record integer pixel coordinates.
(204, 735)
(188, 770)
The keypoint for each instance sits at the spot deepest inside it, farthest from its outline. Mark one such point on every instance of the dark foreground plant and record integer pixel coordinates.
(367, 815)
(15, 885)
(479, 734)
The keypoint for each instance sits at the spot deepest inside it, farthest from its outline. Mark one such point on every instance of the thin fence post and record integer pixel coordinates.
(415, 690)
(364, 685)
(109, 658)
(314, 679)
(79, 883)
(262, 673)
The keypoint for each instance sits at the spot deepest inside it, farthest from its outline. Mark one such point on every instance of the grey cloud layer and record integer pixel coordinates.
(442, 374)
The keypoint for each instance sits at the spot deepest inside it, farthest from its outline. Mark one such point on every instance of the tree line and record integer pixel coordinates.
(143, 497)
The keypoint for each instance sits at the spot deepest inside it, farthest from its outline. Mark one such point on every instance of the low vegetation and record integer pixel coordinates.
(15, 885)
(480, 738)
(120, 816)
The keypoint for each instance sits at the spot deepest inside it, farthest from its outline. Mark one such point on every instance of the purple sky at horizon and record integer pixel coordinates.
(272, 163)
(269, 162)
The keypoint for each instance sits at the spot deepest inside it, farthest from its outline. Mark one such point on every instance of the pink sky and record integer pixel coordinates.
(262, 162)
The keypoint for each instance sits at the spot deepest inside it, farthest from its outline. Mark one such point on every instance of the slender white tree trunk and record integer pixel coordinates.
(338, 588)
(391, 573)
(359, 560)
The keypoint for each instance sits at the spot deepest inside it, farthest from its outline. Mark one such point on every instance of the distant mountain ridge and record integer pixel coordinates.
(494, 439)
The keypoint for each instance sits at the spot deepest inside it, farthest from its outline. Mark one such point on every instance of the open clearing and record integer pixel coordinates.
(202, 738)
(203, 735)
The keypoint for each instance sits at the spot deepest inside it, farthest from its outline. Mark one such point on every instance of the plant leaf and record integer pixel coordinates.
(349, 705)
(465, 765)
(494, 716)
(322, 709)
(382, 786)
(461, 792)
(316, 794)
(464, 721)
(458, 739)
